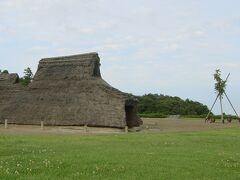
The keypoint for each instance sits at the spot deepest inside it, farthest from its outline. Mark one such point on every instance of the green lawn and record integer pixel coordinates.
(213, 154)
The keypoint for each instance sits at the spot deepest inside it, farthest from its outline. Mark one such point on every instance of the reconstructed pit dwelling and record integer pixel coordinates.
(67, 90)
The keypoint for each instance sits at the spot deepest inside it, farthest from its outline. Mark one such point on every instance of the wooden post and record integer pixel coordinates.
(206, 120)
(6, 124)
(231, 104)
(222, 118)
(42, 125)
(126, 129)
(85, 128)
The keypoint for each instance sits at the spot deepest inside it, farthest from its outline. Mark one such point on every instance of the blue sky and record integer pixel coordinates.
(146, 46)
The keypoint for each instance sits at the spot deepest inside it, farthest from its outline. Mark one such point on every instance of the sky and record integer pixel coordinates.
(169, 47)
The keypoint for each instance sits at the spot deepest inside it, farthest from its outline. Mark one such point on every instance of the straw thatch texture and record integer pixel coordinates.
(70, 91)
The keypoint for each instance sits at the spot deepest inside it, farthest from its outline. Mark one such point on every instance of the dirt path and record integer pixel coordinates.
(183, 125)
(149, 125)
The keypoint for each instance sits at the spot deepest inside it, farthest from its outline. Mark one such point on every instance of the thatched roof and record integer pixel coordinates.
(6, 78)
(9, 87)
(69, 90)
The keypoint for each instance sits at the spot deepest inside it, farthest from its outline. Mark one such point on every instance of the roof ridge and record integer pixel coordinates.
(85, 56)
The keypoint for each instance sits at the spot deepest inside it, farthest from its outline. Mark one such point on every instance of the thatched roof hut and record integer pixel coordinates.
(9, 87)
(69, 90)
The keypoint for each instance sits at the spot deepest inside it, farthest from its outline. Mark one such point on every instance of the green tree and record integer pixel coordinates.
(27, 78)
(167, 105)
(5, 71)
(220, 84)
(220, 87)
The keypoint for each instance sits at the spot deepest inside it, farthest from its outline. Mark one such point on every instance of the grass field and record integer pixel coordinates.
(212, 154)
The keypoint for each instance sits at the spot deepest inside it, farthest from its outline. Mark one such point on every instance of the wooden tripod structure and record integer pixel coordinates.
(220, 89)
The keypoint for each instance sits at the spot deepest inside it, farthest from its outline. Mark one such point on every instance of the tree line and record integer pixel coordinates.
(163, 105)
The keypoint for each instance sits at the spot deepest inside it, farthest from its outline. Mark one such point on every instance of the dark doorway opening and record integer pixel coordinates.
(129, 109)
